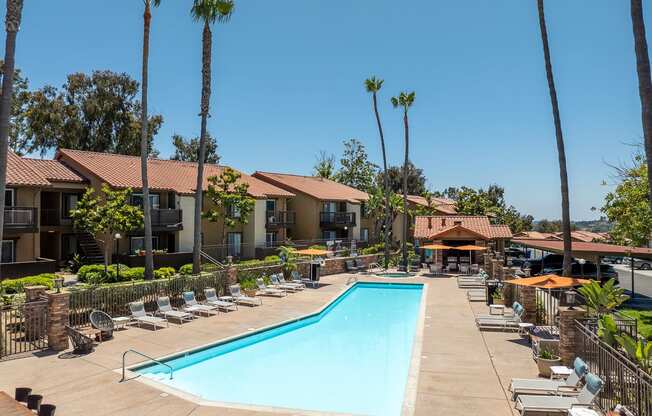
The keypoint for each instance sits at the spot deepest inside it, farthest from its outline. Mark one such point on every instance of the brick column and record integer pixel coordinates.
(34, 312)
(497, 267)
(568, 343)
(58, 304)
(529, 302)
(508, 290)
(34, 293)
(487, 264)
(231, 274)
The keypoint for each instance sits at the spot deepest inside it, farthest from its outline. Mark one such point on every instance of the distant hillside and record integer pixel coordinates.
(551, 226)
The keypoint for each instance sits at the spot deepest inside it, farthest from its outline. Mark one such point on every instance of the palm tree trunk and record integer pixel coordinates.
(388, 213)
(205, 103)
(644, 83)
(144, 148)
(561, 153)
(405, 175)
(12, 24)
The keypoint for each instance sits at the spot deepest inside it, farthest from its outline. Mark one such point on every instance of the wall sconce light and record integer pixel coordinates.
(570, 298)
(58, 284)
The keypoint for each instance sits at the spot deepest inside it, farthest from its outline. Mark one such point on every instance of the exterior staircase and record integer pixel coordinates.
(90, 250)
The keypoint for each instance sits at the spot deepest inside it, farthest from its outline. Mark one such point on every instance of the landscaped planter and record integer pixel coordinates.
(544, 365)
(250, 292)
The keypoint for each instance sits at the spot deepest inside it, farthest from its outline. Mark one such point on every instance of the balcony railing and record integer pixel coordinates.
(280, 218)
(168, 218)
(337, 218)
(20, 218)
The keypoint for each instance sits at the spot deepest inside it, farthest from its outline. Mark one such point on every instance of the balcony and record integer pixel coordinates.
(167, 219)
(279, 219)
(337, 219)
(21, 219)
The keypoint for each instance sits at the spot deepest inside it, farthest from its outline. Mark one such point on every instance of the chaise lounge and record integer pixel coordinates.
(168, 312)
(239, 298)
(139, 315)
(537, 386)
(212, 299)
(528, 404)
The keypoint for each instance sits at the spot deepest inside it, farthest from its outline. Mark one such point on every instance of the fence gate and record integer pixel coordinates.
(23, 328)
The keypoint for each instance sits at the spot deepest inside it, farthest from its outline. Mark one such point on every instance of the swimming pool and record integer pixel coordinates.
(353, 357)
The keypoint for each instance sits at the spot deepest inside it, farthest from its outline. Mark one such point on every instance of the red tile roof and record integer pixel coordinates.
(536, 235)
(121, 171)
(431, 226)
(316, 187)
(444, 205)
(21, 173)
(55, 171)
(580, 248)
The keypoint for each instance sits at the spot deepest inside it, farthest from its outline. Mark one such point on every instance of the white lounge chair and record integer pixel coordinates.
(527, 404)
(534, 386)
(517, 309)
(471, 281)
(283, 280)
(297, 278)
(476, 295)
(168, 312)
(276, 283)
(464, 268)
(238, 297)
(498, 322)
(212, 299)
(269, 291)
(436, 269)
(192, 306)
(139, 315)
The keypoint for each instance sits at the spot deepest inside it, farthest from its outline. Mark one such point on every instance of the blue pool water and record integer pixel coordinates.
(353, 357)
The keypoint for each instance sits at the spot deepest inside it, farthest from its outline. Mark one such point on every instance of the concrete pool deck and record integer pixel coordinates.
(462, 370)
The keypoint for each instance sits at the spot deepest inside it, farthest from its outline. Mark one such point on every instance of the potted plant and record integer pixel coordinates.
(249, 287)
(498, 298)
(545, 360)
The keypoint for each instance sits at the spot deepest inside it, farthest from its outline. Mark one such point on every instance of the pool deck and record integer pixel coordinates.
(462, 371)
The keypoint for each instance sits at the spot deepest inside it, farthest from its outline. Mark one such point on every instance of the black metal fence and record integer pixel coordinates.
(115, 299)
(624, 382)
(23, 328)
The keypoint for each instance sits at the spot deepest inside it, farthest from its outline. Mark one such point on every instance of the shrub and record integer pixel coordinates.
(274, 258)
(186, 269)
(133, 273)
(318, 247)
(12, 286)
(82, 273)
(164, 273)
(374, 249)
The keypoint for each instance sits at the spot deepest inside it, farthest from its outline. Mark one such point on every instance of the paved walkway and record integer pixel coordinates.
(462, 371)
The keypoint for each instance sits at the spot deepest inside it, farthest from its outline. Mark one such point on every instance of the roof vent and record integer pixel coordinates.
(443, 222)
(457, 222)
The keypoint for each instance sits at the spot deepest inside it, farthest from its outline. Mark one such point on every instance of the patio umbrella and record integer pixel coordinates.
(549, 281)
(311, 252)
(471, 248)
(436, 247)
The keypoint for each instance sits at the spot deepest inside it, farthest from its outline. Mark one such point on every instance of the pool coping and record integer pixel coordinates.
(409, 395)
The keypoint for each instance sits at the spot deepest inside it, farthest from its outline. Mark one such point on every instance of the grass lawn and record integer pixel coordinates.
(644, 319)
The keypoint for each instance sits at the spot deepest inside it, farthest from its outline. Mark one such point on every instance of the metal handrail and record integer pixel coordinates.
(146, 356)
(211, 259)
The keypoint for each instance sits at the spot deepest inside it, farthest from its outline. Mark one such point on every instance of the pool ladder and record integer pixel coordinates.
(146, 356)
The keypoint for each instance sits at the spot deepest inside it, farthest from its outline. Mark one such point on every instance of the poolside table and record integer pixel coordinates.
(121, 321)
(580, 411)
(10, 407)
(559, 372)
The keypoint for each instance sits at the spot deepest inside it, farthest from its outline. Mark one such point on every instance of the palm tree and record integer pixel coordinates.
(144, 143)
(405, 101)
(208, 12)
(561, 153)
(12, 25)
(373, 86)
(644, 83)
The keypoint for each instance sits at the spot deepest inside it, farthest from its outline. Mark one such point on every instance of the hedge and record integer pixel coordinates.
(13, 286)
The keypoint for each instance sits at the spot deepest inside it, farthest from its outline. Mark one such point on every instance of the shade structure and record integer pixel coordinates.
(436, 247)
(311, 252)
(549, 281)
(470, 247)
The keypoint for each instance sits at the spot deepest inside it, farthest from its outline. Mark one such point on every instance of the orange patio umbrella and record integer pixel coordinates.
(311, 252)
(471, 248)
(436, 247)
(549, 281)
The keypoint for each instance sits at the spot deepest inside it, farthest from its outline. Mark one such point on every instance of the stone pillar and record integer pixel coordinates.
(487, 264)
(497, 268)
(529, 302)
(58, 304)
(34, 293)
(568, 343)
(231, 274)
(508, 290)
(34, 312)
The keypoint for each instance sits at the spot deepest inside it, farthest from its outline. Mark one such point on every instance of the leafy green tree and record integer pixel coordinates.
(324, 165)
(416, 180)
(188, 150)
(627, 206)
(376, 207)
(99, 113)
(603, 299)
(12, 24)
(373, 85)
(355, 168)
(18, 140)
(561, 152)
(640, 350)
(404, 101)
(144, 140)
(230, 199)
(105, 215)
(207, 12)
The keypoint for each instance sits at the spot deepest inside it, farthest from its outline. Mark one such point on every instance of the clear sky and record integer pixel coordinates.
(288, 82)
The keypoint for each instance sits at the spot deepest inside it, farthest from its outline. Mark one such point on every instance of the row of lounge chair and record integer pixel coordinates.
(506, 322)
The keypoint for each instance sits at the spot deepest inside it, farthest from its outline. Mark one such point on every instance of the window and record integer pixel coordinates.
(69, 202)
(270, 239)
(154, 200)
(234, 242)
(270, 205)
(329, 235)
(233, 211)
(9, 198)
(138, 243)
(330, 206)
(8, 251)
(363, 210)
(364, 234)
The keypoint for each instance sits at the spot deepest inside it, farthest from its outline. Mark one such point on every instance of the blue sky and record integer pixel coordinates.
(288, 82)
